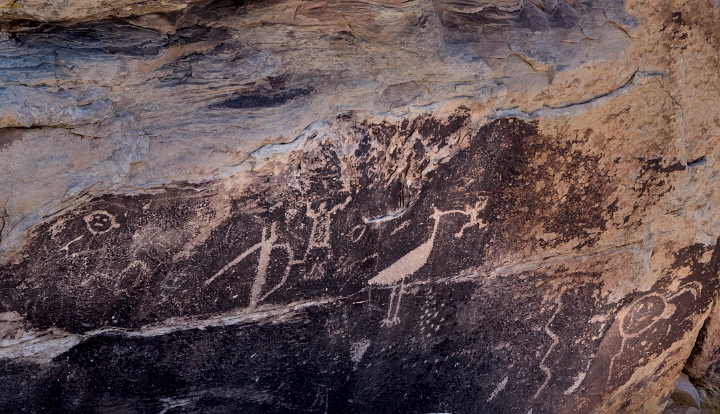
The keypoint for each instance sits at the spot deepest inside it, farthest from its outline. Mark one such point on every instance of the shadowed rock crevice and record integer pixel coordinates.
(259, 100)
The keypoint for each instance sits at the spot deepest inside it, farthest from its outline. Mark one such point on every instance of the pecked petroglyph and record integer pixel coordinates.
(201, 199)
(319, 237)
(498, 389)
(357, 350)
(100, 222)
(331, 224)
(555, 340)
(266, 246)
(407, 265)
(321, 223)
(66, 247)
(320, 233)
(473, 215)
(640, 316)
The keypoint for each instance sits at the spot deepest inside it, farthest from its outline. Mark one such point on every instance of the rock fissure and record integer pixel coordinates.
(575, 108)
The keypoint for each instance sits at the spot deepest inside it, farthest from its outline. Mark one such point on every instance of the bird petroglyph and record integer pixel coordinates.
(417, 258)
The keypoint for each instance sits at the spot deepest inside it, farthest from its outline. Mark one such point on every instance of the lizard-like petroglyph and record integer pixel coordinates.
(474, 214)
(417, 258)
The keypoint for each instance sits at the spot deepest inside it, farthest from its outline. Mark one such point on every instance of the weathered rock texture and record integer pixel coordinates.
(472, 206)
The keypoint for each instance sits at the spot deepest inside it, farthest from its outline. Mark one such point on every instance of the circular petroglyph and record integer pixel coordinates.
(100, 221)
(643, 313)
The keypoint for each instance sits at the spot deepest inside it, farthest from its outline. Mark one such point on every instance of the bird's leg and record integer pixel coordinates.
(396, 320)
(387, 321)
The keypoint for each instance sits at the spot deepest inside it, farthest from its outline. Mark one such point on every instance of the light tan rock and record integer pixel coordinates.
(74, 10)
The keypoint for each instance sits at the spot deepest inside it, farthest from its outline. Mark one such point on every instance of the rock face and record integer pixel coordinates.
(342, 206)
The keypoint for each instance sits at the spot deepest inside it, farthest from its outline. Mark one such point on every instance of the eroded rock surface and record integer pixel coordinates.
(421, 206)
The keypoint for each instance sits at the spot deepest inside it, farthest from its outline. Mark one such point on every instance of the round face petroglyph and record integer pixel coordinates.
(642, 314)
(100, 221)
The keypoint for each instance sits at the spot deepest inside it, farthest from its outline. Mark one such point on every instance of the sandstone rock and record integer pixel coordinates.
(357, 206)
(78, 10)
(676, 408)
(702, 364)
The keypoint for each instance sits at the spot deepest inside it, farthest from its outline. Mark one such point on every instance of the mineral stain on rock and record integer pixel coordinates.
(278, 98)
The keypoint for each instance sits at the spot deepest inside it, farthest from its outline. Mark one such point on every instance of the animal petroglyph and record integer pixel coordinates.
(412, 262)
(474, 214)
(266, 247)
(100, 222)
(405, 266)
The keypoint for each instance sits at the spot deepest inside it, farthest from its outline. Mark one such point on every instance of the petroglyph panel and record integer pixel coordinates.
(151, 257)
(481, 206)
(414, 290)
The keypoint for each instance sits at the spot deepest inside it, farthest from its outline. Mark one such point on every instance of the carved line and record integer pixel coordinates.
(555, 341)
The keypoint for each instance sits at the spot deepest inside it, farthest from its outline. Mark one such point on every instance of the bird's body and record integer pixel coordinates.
(404, 267)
